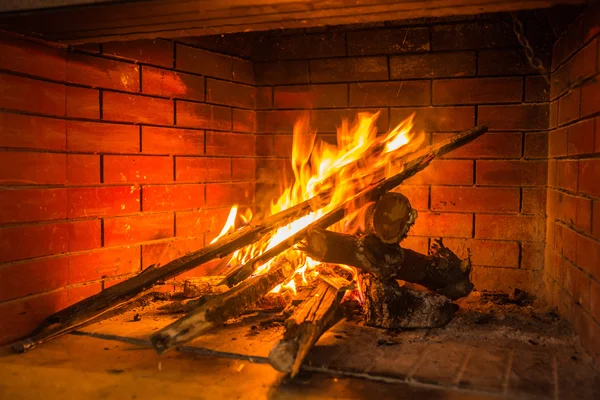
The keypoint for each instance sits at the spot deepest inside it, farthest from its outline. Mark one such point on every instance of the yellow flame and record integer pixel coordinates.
(360, 158)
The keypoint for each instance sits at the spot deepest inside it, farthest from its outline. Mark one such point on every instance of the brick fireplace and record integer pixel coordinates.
(121, 155)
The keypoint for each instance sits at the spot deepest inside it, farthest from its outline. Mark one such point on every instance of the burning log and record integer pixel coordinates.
(308, 322)
(220, 308)
(389, 305)
(442, 271)
(196, 287)
(390, 217)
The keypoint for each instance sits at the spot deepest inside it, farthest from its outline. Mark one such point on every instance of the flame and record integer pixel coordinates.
(360, 158)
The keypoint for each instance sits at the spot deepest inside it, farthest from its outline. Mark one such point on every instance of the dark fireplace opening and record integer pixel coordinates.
(302, 199)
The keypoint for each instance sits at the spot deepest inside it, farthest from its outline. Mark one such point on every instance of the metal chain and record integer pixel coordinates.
(531, 58)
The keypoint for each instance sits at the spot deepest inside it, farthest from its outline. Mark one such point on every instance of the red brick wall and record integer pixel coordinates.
(572, 268)
(113, 158)
(488, 196)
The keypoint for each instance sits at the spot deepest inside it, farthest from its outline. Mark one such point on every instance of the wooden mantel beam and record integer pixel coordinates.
(143, 19)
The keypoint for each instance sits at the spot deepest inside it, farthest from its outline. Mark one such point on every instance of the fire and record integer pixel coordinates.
(360, 158)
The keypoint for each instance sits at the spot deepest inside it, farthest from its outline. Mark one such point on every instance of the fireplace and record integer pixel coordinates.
(125, 144)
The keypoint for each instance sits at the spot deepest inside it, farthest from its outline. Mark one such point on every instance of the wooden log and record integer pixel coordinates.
(389, 305)
(308, 322)
(196, 287)
(390, 217)
(441, 271)
(220, 308)
(408, 166)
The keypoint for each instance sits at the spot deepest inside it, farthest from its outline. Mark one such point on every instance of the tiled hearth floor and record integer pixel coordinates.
(487, 351)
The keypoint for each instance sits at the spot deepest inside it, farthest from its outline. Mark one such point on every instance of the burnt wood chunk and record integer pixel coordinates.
(390, 217)
(389, 305)
(196, 287)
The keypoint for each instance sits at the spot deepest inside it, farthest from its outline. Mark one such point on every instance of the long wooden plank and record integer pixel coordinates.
(175, 18)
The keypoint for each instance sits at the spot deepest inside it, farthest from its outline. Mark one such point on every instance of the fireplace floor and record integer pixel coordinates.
(490, 349)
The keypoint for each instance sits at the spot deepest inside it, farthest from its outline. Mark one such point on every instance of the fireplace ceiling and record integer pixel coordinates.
(78, 21)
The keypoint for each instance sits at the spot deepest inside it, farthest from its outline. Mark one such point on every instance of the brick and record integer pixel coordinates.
(575, 211)
(228, 194)
(590, 98)
(510, 227)
(557, 142)
(103, 264)
(243, 120)
(24, 56)
(264, 145)
(172, 197)
(565, 240)
(281, 72)
(416, 243)
(173, 141)
(559, 81)
(101, 72)
(137, 109)
(243, 168)
(568, 107)
(311, 96)
(588, 331)
(490, 253)
(285, 47)
(277, 121)
(131, 169)
(24, 94)
(161, 253)
(42, 276)
(349, 69)
(32, 205)
(330, 120)
(25, 315)
(148, 51)
(172, 84)
(589, 170)
(503, 62)
(196, 169)
(511, 173)
(203, 62)
(534, 201)
(477, 90)
(201, 222)
(417, 195)
(472, 35)
(230, 94)
(97, 137)
(553, 115)
(274, 170)
(78, 293)
(24, 168)
(433, 65)
(445, 172)
(85, 235)
(514, 117)
(388, 41)
(135, 229)
(196, 115)
(29, 132)
(475, 199)
(567, 175)
(532, 255)
(595, 300)
(282, 145)
(82, 102)
(490, 145)
(536, 145)
(436, 119)
(229, 144)
(580, 138)
(264, 97)
(536, 89)
(103, 201)
(243, 71)
(584, 63)
(596, 219)
(578, 286)
(83, 169)
(22, 242)
(385, 94)
(445, 225)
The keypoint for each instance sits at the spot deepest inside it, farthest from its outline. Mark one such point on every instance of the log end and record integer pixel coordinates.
(283, 355)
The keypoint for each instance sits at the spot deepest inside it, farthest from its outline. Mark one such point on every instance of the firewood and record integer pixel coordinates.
(307, 323)
(96, 306)
(390, 217)
(389, 305)
(195, 287)
(220, 308)
(441, 271)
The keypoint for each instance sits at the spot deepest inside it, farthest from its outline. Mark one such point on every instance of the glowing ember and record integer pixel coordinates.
(360, 158)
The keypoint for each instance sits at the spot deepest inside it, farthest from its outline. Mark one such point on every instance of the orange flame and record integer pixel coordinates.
(360, 158)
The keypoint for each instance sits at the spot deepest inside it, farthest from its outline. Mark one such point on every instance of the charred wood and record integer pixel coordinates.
(390, 217)
(196, 287)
